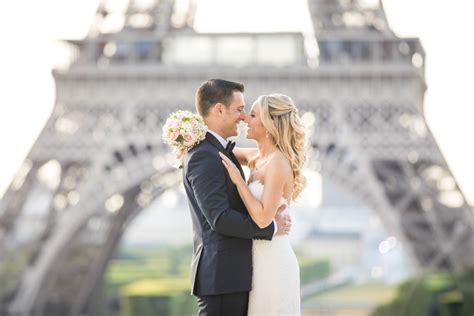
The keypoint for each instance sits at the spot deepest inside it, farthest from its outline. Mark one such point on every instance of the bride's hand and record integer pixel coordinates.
(234, 173)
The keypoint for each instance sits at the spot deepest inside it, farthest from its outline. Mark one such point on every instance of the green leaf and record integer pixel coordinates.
(180, 138)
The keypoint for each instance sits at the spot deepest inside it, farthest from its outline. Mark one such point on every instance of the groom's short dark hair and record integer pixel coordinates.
(215, 91)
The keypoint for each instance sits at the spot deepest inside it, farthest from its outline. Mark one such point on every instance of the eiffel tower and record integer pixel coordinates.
(100, 160)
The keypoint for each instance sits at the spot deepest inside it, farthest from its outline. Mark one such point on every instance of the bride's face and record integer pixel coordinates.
(255, 129)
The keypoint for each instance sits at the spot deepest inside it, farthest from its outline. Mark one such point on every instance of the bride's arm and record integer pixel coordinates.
(244, 154)
(262, 213)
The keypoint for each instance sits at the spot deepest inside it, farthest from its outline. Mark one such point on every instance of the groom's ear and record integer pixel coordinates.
(218, 108)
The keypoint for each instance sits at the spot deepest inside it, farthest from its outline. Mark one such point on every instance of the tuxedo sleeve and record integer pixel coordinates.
(207, 177)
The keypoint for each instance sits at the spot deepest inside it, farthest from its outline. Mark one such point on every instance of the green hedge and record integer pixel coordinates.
(158, 297)
(437, 293)
(312, 269)
(147, 263)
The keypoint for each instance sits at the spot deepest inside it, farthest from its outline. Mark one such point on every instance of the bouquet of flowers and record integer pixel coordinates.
(182, 131)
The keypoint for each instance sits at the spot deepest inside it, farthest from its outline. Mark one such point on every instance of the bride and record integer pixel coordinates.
(275, 179)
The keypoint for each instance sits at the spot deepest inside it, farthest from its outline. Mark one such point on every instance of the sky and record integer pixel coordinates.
(29, 29)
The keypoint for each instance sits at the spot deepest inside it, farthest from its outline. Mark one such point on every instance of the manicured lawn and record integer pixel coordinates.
(134, 264)
(369, 294)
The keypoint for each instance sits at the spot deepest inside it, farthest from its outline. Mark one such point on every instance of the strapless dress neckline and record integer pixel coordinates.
(256, 187)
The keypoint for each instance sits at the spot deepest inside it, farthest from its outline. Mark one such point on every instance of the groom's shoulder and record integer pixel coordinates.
(202, 149)
(204, 145)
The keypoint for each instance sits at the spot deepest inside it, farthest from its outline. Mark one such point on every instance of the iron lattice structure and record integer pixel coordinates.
(99, 160)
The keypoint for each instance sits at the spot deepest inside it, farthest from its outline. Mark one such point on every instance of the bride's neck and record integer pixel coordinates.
(266, 147)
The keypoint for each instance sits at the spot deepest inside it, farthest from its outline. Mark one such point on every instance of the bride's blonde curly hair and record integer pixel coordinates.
(280, 118)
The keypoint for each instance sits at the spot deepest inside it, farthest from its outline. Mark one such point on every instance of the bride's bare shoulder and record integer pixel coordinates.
(280, 163)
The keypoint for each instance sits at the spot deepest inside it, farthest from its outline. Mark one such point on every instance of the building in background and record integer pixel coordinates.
(354, 239)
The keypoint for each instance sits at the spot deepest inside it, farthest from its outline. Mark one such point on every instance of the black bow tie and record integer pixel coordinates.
(230, 146)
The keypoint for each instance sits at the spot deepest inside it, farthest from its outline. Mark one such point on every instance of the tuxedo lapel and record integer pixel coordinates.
(236, 162)
(210, 138)
(213, 140)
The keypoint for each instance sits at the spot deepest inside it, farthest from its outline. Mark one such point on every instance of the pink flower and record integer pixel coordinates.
(189, 138)
(174, 135)
(174, 124)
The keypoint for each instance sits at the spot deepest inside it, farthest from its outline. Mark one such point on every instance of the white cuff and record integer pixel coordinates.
(276, 227)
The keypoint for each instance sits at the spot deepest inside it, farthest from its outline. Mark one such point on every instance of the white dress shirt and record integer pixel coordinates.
(221, 139)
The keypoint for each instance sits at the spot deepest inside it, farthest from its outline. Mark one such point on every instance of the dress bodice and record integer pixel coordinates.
(256, 187)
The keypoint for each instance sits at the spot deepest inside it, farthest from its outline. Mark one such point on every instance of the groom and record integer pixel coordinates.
(223, 230)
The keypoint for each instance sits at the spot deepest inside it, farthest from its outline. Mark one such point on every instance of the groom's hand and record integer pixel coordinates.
(283, 221)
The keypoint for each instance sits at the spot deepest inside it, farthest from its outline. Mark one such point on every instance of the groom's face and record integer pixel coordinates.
(232, 115)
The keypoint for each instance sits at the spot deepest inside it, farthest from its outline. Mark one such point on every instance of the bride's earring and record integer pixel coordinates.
(266, 134)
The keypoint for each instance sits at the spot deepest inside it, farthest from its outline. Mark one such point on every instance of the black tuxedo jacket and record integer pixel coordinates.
(222, 228)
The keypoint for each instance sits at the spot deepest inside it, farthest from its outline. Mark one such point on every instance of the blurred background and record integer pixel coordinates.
(93, 217)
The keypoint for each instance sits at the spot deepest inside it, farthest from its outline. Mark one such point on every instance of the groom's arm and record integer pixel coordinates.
(207, 177)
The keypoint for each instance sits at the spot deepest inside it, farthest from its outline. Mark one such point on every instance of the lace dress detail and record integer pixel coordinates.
(276, 275)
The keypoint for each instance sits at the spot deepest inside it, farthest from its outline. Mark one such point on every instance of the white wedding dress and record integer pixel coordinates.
(276, 275)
